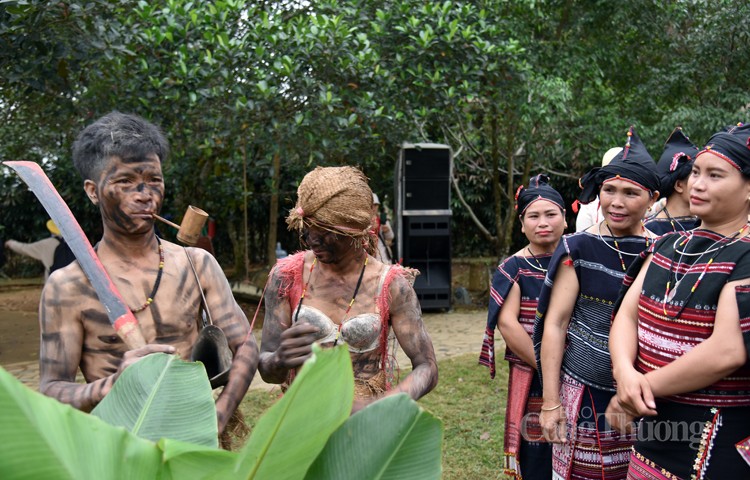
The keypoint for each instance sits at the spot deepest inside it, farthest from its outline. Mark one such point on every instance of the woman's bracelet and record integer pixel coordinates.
(552, 408)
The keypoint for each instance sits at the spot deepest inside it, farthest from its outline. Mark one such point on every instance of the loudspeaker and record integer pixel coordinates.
(422, 201)
(425, 171)
(427, 161)
(421, 194)
(427, 247)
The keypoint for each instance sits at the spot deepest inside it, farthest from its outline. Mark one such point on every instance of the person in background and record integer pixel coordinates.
(680, 338)
(381, 226)
(514, 294)
(571, 330)
(45, 250)
(591, 213)
(674, 167)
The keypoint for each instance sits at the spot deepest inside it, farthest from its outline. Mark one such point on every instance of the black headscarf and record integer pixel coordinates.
(538, 189)
(676, 161)
(733, 145)
(633, 163)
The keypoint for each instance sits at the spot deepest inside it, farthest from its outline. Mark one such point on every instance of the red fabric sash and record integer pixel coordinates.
(519, 384)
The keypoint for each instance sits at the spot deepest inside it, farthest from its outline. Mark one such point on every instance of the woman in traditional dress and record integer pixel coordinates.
(674, 168)
(338, 293)
(679, 357)
(571, 330)
(513, 299)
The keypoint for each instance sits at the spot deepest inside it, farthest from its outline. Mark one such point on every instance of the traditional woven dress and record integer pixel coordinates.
(705, 433)
(594, 449)
(662, 226)
(527, 455)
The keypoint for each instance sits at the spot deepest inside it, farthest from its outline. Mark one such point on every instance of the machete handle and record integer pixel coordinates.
(129, 331)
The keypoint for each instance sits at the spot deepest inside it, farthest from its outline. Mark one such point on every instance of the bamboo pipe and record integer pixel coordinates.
(192, 224)
(174, 225)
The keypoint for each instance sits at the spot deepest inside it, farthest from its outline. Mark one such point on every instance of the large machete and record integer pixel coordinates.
(120, 316)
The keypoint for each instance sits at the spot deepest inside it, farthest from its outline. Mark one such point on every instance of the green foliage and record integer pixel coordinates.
(516, 88)
(273, 443)
(46, 439)
(472, 407)
(406, 449)
(150, 402)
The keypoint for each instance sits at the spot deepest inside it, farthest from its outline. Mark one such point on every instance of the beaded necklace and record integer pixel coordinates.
(669, 293)
(348, 309)
(616, 248)
(150, 298)
(304, 289)
(672, 220)
(710, 249)
(538, 265)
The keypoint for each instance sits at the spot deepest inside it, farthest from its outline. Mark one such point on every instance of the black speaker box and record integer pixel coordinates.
(427, 248)
(421, 194)
(427, 163)
(426, 171)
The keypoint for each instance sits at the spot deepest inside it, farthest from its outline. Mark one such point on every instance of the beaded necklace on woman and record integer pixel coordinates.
(616, 248)
(671, 289)
(538, 265)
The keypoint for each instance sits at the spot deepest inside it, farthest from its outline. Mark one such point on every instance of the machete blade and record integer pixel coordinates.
(120, 316)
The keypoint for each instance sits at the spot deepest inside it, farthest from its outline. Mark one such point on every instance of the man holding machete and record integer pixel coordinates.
(119, 158)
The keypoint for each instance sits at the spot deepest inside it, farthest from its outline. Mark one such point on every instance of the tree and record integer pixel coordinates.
(266, 90)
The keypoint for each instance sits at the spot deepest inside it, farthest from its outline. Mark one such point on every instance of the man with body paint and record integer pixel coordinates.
(119, 158)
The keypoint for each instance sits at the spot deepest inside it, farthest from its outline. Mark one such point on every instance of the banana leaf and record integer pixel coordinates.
(194, 462)
(43, 438)
(164, 397)
(392, 438)
(289, 436)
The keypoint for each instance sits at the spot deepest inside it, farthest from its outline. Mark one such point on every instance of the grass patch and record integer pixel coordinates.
(472, 408)
(470, 405)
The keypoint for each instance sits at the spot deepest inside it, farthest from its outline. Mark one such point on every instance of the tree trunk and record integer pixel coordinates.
(496, 193)
(237, 249)
(273, 222)
(246, 263)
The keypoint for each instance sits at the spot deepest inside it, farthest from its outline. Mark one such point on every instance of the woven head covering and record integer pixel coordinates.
(538, 189)
(335, 198)
(676, 161)
(633, 163)
(733, 145)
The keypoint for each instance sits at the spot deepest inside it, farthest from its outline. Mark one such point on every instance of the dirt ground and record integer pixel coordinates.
(453, 333)
(19, 326)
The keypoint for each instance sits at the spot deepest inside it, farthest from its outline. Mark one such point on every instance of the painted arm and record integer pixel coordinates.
(228, 316)
(562, 300)
(407, 324)
(511, 329)
(282, 346)
(713, 359)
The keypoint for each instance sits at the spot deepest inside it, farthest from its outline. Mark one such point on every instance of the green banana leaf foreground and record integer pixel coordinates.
(159, 422)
